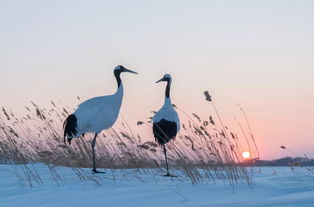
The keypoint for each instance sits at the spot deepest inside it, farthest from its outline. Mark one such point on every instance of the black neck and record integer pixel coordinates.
(168, 89)
(117, 75)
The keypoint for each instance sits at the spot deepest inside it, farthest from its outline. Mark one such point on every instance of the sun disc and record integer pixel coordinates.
(246, 155)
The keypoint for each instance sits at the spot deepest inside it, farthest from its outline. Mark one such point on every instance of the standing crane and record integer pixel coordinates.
(166, 122)
(96, 114)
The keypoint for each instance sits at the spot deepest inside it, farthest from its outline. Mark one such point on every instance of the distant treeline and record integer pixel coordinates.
(286, 161)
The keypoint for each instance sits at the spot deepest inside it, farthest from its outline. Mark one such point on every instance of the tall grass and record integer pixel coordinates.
(202, 150)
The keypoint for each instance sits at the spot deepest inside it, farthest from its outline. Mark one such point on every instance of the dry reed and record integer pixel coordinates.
(203, 150)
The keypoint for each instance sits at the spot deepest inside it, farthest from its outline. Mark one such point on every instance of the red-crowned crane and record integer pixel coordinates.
(96, 114)
(166, 122)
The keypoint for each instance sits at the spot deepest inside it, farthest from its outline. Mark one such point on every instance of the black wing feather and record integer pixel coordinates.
(164, 131)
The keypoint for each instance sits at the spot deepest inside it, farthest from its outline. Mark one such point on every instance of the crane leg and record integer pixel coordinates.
(167, 167)
(94, 156)
(165, 152)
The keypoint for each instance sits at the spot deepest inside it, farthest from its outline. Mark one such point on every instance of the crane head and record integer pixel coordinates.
(166, 78)
(121, 69)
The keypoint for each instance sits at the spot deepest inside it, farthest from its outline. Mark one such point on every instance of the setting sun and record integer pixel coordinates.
(246, 155)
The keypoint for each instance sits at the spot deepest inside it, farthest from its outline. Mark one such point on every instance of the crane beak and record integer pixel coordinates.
(130, 71)
(160, 80)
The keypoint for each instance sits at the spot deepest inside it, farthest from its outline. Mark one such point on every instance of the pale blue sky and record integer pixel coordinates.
(256, 53)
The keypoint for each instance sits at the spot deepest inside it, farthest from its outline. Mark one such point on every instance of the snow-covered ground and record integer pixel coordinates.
(283, 188)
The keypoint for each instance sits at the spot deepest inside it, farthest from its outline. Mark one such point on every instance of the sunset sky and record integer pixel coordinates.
(259, 54)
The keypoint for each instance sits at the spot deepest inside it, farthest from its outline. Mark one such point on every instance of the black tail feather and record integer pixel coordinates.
(70, 128)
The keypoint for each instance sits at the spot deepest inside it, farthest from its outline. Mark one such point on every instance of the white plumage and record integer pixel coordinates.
(99, 113)
(96, 114)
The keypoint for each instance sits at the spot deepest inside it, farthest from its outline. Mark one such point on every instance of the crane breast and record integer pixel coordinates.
(166, 125)
(168, 114)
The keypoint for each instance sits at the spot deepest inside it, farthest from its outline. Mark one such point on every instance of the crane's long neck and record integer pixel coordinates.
(119, 82)
(167, 93)
(117, 75)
